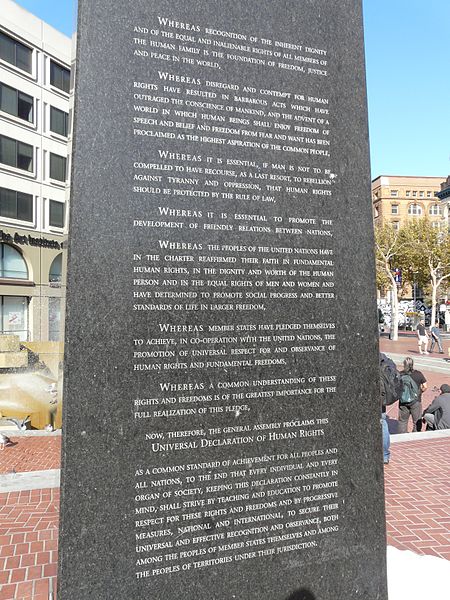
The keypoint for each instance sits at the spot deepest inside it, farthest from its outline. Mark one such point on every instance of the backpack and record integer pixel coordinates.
(391, 385)
(410, 392)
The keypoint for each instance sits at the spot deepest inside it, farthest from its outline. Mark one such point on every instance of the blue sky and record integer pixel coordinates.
(408, 82)
(408, 85)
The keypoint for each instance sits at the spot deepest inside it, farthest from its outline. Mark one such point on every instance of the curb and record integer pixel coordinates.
(419, 436)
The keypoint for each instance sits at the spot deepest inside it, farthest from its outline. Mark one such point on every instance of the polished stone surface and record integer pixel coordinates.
(302, 368)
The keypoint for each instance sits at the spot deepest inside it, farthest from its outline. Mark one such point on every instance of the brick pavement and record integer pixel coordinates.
(28, 544)
(406, 345)
(433, 381)
(417, 484)
(31, 454)
(435, 367)
(417, 488)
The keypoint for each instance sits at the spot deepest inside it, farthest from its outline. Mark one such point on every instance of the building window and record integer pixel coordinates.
(408, 193)
(16, 205)
(59, 77)
(434, 210)
(376, 212)
(394, 209)
(395, 225)
(55, 274)
(414, 209)
(57, 167)
(428, 194)
(56, 214)
(16, 103)
(12, 264)
(15, 53)
(436, 224)
(59, 121)
(421, 194)
(394, 193)
(414, 194)
(14, 316)
(16, 154)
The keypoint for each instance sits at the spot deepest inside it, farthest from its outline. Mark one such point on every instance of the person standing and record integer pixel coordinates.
(414, 383)
(391, 388)
(436, 338)
(422, 337)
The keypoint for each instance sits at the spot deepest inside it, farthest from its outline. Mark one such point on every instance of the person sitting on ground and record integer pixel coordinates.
(437, 415)
(422, 337)
(414, 383)
(436, 338)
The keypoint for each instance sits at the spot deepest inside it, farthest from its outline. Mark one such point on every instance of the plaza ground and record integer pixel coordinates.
(417, 484)
(417, 490)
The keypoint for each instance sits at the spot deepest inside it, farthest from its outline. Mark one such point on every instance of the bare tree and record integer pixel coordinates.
(389, 246)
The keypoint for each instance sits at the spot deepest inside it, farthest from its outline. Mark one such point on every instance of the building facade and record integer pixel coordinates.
(34, 134)
(444, 198)
(395, 199)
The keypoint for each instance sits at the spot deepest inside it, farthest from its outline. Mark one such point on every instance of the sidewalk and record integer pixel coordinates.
(32, 453)
(435, 367)
(28, 544)
(406, 345)
(417, 490)
(417, 487)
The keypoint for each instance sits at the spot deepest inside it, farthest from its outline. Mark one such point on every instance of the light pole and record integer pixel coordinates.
(413, 315)
(414, 299)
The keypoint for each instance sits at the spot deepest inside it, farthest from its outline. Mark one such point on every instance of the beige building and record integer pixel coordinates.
(34, 135)
(34, 166)
(397, 198)
(444, 197)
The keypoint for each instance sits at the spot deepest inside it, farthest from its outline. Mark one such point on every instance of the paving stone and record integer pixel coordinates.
(31, 454)
(418, 474)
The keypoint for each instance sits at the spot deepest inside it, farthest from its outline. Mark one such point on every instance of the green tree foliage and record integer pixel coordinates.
(425, 256)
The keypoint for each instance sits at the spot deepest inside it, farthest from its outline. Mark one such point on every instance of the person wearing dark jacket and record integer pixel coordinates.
(390, 392)
(437, 415)
(414, 408)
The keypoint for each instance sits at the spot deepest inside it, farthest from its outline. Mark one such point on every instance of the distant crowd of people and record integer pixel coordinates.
(407, 387)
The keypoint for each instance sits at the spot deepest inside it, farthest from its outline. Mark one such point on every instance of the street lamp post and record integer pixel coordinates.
(414, 323)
